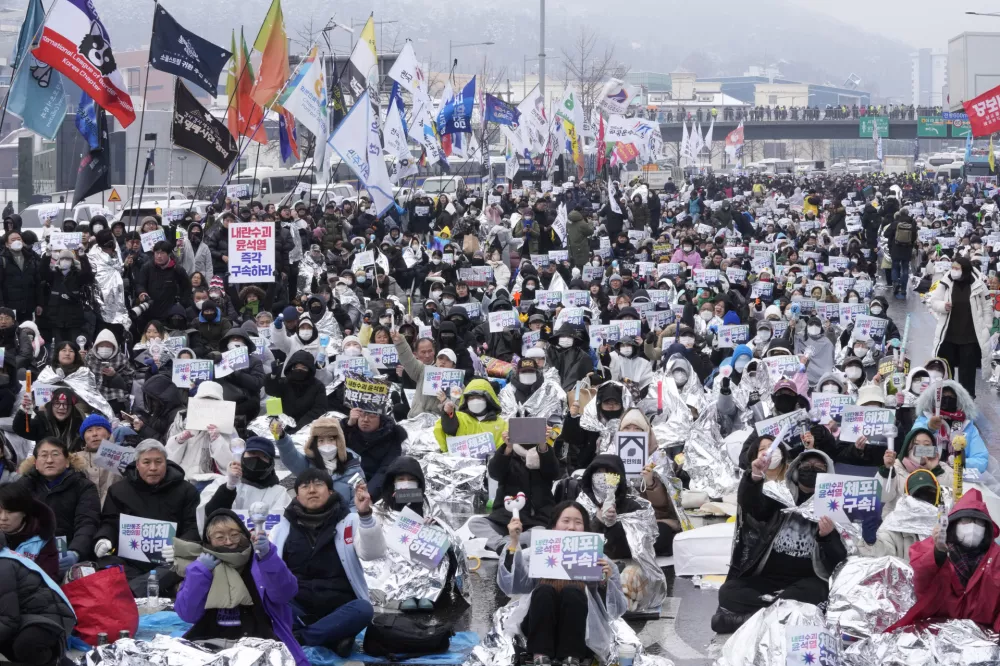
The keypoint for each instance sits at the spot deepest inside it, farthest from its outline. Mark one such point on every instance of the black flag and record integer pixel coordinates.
(94, 174)
(197, 130)
(177, 51)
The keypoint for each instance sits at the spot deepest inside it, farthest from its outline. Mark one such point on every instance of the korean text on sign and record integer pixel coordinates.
(251, 252)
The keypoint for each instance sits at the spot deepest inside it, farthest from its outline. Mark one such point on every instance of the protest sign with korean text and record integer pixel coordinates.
(416, 542)
(233, 360)
(632, 448)
(384, 356)
(847, 499)
(874, 423)
(782, 367)
(810, 645)
(566, 555)
(143, 539)
(501, 320)
(449, 380)
(251, 252)
(114, 457)
(730, 336)
(188, 373)
(151, 238)
(830, 406)
(873, 327)
(795, 423)
(367, 395)
(480, 445)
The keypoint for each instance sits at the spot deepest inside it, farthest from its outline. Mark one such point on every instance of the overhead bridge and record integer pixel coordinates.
(792, 130)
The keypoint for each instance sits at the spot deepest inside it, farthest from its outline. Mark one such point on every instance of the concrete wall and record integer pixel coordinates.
(973, 66)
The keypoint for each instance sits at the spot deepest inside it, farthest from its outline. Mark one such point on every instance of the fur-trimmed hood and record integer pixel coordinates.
(925, 403)
(77, 462)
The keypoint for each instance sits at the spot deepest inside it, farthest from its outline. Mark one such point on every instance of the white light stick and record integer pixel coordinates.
(514, 504)
(258, 514)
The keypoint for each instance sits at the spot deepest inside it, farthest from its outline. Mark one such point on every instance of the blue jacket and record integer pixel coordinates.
(298, 463)
(976, 454)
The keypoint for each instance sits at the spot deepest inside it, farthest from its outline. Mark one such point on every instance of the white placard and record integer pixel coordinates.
(203, 412)
(251, 252)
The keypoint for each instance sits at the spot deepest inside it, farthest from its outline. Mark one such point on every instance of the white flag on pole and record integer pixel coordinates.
(357, 142)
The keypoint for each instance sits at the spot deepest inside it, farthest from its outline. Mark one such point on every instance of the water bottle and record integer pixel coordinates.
(153, 587)
(324, 340)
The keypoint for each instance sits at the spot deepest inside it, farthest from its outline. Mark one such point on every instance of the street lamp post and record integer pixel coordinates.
(181, 157)
(541, 49)
(452, 45)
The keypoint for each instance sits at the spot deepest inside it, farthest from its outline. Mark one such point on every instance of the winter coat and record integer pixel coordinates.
(74, 502)
(298, 463)
(420, 404)
(172, 499)
(464, 423)
(275, 585)
(333, 230)
(196, 261)
(29, 597)
(20, 288)
(161, 402)
(101, 477)
(217, 240)
(615, 542)
(578, 233)
(821, 359)
(692, 258)
(513, 477)
(164, 286)
(35, 540)
(939, 590)
(980, 302)
(64, 307)
(574, 363)
(44, 424)
(119, 385)
(377, 450)
(208, 334)
(975, 454)
(303, 401)
(199, 454)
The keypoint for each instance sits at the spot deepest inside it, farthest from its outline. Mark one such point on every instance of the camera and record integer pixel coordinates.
(139, 309)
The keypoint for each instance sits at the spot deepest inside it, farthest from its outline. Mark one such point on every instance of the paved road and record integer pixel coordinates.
(682, 633)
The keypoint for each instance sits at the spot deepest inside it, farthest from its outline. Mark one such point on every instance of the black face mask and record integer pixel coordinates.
(177, 323)
(784, 403)
(949, 403)
(256, 469)
(610, 414)
(807, 477)
(298, 375)
(316, 311)
(447, 339)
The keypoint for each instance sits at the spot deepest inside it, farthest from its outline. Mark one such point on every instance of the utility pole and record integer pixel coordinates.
(541, 53)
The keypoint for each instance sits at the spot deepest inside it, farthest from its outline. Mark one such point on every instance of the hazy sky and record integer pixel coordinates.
(918, 23)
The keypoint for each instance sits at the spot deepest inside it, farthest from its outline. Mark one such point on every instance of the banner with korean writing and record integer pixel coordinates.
(151, 238)
(830, 406)
(143, 539)
(385, 356)
(114, 457)
(632, 448)
(703, 277)
(449, 380)
(762, 290)
(501, 320)
(628, 328)
(480, 445)
(233, 360)
(795, 424)
(782, 367)
(548, 300)
(603, 334)
(416, 542)
(809, 645)
(188, 373)
(566, 555)
(873, 327)
(367, 395)
(875, 423)
(251, 252)
(849, 311)
(984, 112)
(357, 365)
(577, 298)
(847, 499)
(730, 336)
(476, 276)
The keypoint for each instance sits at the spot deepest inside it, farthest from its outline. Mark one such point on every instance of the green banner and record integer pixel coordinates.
(865, 126)
(932, 126)
(960, 129)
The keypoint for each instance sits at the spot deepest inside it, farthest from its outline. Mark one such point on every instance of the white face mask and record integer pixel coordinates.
(852, 300)
(970, 533)
(436, 295)
(814, 331)
(707, 315)
(853, 373)
(406, 485)
(565, 343)
(528, 378)
(305, 334)
(328, 451)
(935, 375)
(860, 351)
(687, 341)
(198, 304)
(353, 350)
(235, 344)
(775, 462)
(680, 377)
(829, 388)
(65, 264)
(764, 336)
(17, 246)
(625, 351)
(447, 302)
(740, 365)
(104, 352)
(477, 405)
(956, 275)
(876, 310)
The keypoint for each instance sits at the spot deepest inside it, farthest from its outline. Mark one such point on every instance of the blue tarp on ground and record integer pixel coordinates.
(459, 649)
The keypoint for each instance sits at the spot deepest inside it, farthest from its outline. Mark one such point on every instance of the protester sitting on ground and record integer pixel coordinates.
(152, 487)
(30, 528)
(61, 417)
(596, 485)
(323, 543)
(478, 410)
(414, 366)
(53, 478)
(326, 449)
(96, 430)
(250, 480)
(303, 397)
(113, 370)
(377, 439)
(36, 618)
(895, 535)
(957, 414)
(955, 569)
(564, 620)
(919, 451)
(200, 451)
(235, 586)
(778, 555)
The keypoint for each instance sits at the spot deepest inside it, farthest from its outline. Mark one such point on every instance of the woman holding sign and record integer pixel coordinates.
(563, 619)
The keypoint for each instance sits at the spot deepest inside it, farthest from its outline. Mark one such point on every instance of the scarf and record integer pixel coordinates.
(312, 521)
(965, 561)
(228, 589)
(530, 455)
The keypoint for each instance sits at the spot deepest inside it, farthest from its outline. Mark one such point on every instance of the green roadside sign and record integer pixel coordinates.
(932, 126)
(960, 129)
(865, 126)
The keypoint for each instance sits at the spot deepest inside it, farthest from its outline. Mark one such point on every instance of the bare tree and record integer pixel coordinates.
(308, 34)
(589, 66)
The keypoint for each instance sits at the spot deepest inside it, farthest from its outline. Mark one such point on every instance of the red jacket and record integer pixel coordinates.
(939, 591)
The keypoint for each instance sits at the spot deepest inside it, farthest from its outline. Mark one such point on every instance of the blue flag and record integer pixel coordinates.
(456, 116)
(182, 53)
(288, 138)
(36, 95)
(86, 121)
(500, 112)
(396, 98)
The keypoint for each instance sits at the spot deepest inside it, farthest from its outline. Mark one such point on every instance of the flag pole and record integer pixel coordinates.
(138, 149)
(170, 154)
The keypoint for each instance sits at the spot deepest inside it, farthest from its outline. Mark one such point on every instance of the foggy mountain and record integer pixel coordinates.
(720, 38)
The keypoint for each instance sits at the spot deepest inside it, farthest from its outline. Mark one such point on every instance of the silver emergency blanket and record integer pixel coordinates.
(850, 533)
(392, 579)
(590, 421)
(706, 459)
(952, 643)
(869, 594)
(761, 641)
(309, 268)
(649, 589)
(327, 325)
(83, 383)
(167, 651)
(548, 400)
(261, 426)
(911, 516)
(109, 292)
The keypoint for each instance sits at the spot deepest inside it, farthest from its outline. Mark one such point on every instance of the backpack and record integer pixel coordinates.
(904, 232)
(400, 637)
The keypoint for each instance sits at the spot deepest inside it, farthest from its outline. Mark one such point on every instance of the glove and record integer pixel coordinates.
(67, 560)
(167, 552)
(261, 545)
(208, 561)
(102, 548)
(279, 321)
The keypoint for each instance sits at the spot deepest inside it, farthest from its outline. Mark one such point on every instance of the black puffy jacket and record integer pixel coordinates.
(615, 544)
(311, 555)
(513, 477)
(74, 501)
(64, 307)
(28, 600)
(304, 401)
(378, 450)
(20, 288)
(573, 363)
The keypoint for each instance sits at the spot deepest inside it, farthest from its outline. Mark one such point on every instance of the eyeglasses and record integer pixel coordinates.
(313, 485)
(230, 539)
(50, 455)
